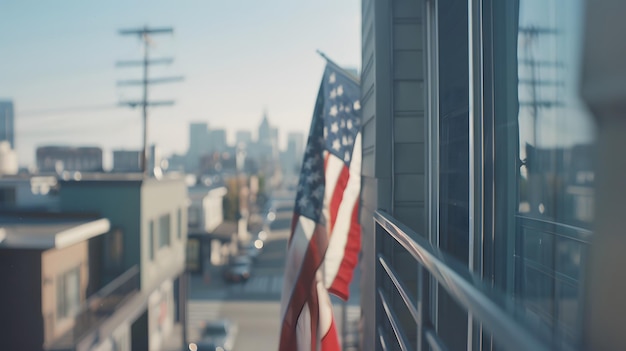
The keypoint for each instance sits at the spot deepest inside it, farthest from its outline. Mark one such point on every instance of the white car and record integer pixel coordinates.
(218, 335)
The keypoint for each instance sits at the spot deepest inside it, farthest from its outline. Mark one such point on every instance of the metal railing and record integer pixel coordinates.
(100, 306)
(482, 302)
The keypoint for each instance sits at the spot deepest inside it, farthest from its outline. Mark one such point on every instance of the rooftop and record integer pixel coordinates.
(42, 231)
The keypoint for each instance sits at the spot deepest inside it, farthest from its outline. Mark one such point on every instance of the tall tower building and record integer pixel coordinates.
(7, 122)
(243, 136)
(265, 133)
(294, 153)
(198, 144)
(217, 140)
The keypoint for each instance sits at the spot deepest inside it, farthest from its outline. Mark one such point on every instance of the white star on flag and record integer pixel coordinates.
(336, 145)
(356, 106)
(303, 202)
(340, 90)
(334, 127)
(333, 110)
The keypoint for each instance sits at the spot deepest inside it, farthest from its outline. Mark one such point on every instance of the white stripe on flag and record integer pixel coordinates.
(326, 307)
(339, 237)
(296, 252)
(334, 165)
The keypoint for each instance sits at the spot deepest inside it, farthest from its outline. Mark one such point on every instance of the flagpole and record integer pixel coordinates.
(348, 74)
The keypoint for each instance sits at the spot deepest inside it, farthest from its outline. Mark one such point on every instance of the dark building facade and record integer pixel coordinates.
(480, 177)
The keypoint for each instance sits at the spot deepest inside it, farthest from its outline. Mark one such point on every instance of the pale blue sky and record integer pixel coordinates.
(238, 57)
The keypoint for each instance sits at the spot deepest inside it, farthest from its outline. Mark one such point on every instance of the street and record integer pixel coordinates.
(254, 305)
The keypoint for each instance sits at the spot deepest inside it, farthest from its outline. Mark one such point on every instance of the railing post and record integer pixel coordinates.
(421, 306)
(378, 307)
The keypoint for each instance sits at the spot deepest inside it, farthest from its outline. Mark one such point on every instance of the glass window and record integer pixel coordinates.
(453, 128)
(453, 157)
(68, 293)
(194, 216)
(151, 240)
(164, 230)
(114, 249)
(179, 224)
(544, 174)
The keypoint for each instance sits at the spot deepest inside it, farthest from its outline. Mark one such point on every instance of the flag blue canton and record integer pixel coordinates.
(341, 113)
(335, 124)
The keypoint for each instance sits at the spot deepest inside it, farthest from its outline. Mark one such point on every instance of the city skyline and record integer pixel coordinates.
(237, 62)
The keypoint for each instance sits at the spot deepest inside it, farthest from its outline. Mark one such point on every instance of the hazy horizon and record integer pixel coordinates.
(58, 68)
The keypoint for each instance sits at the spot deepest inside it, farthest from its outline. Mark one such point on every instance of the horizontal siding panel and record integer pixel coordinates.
(368, 164)
(368, 193)
(408, 65)
(407, 8)
(367, 76)
(369, 133)
(409, 187)
(407, 36)
(409, 129)
(383, 193)
(409, 96)
(414, 216)
(409, 158)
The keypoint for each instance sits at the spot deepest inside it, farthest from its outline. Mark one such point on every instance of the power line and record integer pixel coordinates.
(65, 110)
(144, 34)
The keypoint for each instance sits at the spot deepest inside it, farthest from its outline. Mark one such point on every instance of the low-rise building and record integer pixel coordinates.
(28, 192)
(67, 158)
(149, 217)
(53, 296)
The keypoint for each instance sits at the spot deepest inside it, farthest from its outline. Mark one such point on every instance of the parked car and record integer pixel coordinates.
(252, 248)
(218, 335)
(238, 269)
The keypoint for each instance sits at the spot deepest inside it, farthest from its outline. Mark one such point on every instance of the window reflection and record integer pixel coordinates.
(550, 163)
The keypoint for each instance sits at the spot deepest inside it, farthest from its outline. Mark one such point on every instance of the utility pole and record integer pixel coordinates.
(530, 34)
(144, 34)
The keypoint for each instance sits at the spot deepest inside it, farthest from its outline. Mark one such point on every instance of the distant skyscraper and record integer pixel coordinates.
(293, 155)
(243, 136)
(265, 136)
(217, 140)
(274, 138)
(295, 142)
(7, 122)
(198, 144)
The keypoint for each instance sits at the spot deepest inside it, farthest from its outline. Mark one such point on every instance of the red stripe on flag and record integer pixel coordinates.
(294, 223)
(335, 201)
(330, 341)
(341, 284)
(326, 157)
(314, 310)
(303, 287)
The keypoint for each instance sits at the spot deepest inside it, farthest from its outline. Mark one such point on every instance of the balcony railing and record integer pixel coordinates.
(100, 306)
(405, 318)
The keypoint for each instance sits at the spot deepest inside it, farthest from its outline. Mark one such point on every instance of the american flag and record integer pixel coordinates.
(325, 233)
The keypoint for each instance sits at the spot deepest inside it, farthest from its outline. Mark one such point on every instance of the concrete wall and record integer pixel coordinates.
(159, 198)
(53, 264)
(117, 201)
